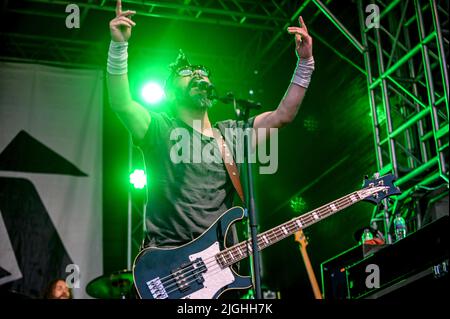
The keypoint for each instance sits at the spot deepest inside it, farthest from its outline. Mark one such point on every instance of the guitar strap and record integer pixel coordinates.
(230, 165)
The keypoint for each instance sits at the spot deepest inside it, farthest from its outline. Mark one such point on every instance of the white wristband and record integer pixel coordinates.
(303, 72)
(117, 58)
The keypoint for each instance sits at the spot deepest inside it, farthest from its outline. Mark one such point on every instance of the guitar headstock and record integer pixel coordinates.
(301, 238)
(378, 188)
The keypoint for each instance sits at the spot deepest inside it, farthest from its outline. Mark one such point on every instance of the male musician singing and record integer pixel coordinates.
(185, 198)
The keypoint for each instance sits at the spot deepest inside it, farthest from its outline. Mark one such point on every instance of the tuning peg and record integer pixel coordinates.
(366, 178)
(376, 175)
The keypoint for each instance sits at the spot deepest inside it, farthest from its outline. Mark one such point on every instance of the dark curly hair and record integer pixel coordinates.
(49, 290)
(180, 62)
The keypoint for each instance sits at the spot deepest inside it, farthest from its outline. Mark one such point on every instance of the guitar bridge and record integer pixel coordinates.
(157, 289)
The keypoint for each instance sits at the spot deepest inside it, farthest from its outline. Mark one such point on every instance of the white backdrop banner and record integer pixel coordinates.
(50, 177)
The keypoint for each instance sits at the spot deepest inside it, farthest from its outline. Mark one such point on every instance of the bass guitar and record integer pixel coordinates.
(201, 269)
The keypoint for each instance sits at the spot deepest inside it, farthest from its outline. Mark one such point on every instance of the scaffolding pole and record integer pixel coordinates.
(413, 145)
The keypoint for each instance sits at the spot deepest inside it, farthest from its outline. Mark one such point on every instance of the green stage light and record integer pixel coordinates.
(298, 204)
(138, 178)
(311, 124)
(152, 93)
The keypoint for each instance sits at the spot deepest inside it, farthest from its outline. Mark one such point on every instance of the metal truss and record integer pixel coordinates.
(136, 207)
(267, 20)
(263, 17)
(136, 224)
(49, 50)
(405, 64)
(410, 86)
(253, 14)
(407, 79)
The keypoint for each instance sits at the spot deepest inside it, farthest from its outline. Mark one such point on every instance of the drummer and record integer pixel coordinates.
(58, 289)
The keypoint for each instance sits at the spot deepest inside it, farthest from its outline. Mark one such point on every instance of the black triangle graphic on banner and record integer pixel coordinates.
(26, 154)
(4, 272)
(40, 253)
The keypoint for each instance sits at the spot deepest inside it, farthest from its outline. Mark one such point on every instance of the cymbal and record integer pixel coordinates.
(116, 285)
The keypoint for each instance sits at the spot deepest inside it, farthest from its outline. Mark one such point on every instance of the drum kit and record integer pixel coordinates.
(117, 285)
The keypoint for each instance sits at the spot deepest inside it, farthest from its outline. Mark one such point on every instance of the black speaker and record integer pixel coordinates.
(333, 272)
(414, 267)
(436, 209)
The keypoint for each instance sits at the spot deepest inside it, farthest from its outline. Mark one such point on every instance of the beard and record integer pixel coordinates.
(194, 98)
(198, 102)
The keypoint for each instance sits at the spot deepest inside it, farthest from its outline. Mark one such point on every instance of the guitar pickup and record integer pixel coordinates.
(189, 273)
(200, 266)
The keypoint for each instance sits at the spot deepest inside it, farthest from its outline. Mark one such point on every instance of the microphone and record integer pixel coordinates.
(203, 85)
(250, 104)
(229, 98)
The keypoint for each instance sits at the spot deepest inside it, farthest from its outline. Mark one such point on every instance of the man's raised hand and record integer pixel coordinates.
(303, 41)
(121, 25)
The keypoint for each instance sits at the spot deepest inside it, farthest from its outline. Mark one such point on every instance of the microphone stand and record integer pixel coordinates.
(243, 114)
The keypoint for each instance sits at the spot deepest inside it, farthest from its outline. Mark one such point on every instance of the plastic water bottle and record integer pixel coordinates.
(367, 235)
(400, 227)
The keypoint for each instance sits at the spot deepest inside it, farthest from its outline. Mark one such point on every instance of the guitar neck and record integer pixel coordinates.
(240, 251)
(310, 271)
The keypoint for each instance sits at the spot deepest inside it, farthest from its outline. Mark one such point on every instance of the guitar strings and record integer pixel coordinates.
(212, 271)
(270, 233)
(288, 224)
(235, 247)
(273, 233)
(195, 272)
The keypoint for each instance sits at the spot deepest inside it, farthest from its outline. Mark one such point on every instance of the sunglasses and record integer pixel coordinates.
(189, 70)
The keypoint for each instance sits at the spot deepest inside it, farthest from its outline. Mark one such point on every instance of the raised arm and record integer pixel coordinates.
(290, 103)
(133, 115)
